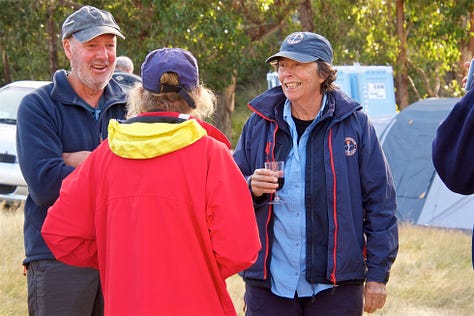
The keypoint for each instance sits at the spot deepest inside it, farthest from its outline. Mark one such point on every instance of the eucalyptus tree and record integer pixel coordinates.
(422, 40)
(25, 43)
(436, 31)
(232, 38)
(30, 32)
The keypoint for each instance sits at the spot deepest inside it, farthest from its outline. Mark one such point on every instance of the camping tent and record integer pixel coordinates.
(422, 197)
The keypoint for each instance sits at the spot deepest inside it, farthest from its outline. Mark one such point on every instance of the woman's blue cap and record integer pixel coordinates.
(175, 60)
(304, 47)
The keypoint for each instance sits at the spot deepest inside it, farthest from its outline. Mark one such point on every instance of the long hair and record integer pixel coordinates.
(141, 100)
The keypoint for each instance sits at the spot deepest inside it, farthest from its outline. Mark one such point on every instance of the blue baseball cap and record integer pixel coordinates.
(304, 47)
(176, 60)
(89, 22)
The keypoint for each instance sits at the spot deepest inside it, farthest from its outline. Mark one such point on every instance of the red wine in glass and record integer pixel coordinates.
(281, 182)
(278, 167)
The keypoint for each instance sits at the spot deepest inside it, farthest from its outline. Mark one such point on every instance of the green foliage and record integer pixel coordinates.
(229, 35)
(365, 33)
(22, 39)
(435, 33)
(245, 92)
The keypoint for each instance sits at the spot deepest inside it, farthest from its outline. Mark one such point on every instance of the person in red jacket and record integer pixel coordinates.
(160, 208)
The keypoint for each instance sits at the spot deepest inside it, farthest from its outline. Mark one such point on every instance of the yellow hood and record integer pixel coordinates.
(148, 140)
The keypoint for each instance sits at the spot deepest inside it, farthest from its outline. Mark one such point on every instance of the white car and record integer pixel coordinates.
(12, 184)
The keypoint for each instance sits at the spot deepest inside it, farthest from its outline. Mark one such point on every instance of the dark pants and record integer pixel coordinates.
(55, 288)
(340, 301)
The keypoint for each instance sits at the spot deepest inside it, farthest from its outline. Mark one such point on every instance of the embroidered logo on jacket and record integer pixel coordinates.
(350, 146)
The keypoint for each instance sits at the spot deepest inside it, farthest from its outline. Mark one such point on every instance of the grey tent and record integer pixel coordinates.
(422, 197)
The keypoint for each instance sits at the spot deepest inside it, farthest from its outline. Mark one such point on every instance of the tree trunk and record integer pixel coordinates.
(52, 42)
(225, 107)
(259, 30)
(6, 67)
(401, 80)
(306, 15)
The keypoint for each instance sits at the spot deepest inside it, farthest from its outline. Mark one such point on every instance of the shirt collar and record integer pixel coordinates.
(287, 108)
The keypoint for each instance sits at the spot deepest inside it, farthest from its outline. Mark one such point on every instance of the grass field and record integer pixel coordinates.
(433, 274)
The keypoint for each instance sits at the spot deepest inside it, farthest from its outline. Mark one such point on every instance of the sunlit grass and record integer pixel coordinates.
(12, 281)
(432, 275)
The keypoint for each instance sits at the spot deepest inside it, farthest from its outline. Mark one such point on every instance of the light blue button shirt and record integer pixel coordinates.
(96, 111)
(288, 264)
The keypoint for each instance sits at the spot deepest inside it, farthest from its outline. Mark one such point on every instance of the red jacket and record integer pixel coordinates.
(164, 213)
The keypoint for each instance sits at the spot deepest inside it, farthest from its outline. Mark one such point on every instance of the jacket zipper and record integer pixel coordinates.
(336, 226)
(270, 153)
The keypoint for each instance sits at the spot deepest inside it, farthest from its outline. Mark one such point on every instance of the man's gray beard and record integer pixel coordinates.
(94, 85)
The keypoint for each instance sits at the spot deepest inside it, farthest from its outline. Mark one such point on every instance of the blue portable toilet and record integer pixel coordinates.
(375, 89)
(344, 79)
(272, 79)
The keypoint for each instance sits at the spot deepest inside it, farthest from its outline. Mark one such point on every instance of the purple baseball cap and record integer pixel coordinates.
(176, 60)
(89, 22)
(304, 47)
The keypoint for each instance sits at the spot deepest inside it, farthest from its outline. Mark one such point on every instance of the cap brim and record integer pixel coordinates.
(302, 58)
(90, 33)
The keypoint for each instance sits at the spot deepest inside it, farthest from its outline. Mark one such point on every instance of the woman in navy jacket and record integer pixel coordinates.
(338, 230)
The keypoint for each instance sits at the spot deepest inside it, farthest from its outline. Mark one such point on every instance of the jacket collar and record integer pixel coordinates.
(63, 92)
(175, 117)
(270, 103)
(145, 140)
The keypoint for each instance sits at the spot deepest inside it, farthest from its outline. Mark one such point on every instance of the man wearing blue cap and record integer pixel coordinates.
(328, 249)
(58, 126)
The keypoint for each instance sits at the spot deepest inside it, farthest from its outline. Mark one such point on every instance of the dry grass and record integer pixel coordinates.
(432, 276)
(13, 282)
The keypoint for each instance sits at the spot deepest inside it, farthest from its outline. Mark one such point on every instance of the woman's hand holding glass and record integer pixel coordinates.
(264, 181)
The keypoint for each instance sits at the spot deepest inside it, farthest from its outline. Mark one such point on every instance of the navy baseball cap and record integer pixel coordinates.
(176, 60)
(304, 47)
(89, 22)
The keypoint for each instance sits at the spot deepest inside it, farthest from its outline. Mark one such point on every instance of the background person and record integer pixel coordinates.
(453, 148)
(171, 217)
(337, 229)
(58, 126)
(123, 73)
(124, 64)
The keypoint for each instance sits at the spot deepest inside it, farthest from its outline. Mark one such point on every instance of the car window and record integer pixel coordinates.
(10, 98)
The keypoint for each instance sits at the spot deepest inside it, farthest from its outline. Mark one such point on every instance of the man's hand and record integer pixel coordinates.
(76, 158)
(375, 295)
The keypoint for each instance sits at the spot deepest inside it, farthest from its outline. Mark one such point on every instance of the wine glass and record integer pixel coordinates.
(278, 168)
